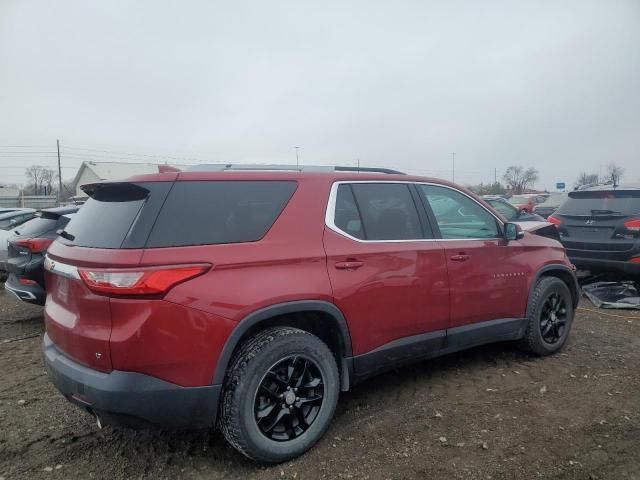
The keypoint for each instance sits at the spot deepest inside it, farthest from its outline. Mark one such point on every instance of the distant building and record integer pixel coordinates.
(91, 172)
(9, 191)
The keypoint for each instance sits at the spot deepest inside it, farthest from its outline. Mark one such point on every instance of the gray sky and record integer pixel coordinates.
(400, 84)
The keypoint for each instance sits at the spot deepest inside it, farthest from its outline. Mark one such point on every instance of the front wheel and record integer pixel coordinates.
(280, 394)
(549, 317)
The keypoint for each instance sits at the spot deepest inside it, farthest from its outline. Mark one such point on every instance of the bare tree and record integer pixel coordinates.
(586, 179)
(40, 178)
(488, 188)
(614, 173)
(519, 179)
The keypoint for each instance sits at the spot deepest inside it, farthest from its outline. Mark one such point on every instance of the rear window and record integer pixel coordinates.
(601, 203)
(215, 212)
(107, 219)
(38, 226)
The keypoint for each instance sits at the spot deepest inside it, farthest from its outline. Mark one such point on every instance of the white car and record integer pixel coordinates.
(8, 222)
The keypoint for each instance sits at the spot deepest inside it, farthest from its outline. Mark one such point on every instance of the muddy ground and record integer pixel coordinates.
(488, 413)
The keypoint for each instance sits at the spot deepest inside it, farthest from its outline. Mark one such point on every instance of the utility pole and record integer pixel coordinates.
(59, 173)
(453, 167)
(495, 176)
(297, 158)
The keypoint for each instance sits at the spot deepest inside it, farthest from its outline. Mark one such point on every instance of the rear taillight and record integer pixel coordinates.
(555, 220)
(142, 281)
(633, 224)
(635, 260)
(35, 245)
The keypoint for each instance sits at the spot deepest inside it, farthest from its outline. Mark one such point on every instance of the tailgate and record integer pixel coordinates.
(596, 233)
(77, 320)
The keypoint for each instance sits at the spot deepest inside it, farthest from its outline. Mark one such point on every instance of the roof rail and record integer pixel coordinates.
(223, 167)
(369, 170)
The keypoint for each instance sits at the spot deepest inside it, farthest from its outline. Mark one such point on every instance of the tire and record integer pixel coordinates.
(539, 319)
(259, 389)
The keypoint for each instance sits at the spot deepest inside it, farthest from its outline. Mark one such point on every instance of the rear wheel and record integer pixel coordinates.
(549, 317)
(280, 394)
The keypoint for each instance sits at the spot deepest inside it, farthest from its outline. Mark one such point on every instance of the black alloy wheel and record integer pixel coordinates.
(553, 318)
(289, 398)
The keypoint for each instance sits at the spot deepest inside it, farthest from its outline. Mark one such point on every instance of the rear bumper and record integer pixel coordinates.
(27, 293)
(601, 265)
(131, 399)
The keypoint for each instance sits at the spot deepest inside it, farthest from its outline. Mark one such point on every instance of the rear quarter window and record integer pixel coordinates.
(218, 212)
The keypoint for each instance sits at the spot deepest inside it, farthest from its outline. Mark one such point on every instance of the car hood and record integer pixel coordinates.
(530, 226)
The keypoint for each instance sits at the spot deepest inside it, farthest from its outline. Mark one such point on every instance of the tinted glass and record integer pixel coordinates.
(213, 212)
(601, 203)
(37, 226)
(388, 211)
(347, 217)
(106, 218)
(458, 216)
(518, 200)
(510, 212)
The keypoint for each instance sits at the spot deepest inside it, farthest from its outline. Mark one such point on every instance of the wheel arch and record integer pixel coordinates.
(309, 315)
(564, 273)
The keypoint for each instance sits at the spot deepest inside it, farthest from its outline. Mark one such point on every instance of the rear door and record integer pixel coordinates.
(487, 275)
(592, 224)
(108, 231)
(388, 276)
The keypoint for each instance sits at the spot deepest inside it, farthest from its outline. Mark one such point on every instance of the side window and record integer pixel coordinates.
(458, 216)
(347, 217)
(387, 210)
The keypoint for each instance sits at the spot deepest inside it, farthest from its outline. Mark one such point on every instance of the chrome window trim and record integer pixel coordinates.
(329, 218)
(62, 269)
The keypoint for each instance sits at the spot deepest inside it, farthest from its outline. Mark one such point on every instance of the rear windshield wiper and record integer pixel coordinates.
(66, 235)
(604, 212)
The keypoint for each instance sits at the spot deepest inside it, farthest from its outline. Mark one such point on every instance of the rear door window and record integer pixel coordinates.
(217, 212)
(387, 211)
(347, 216)
(590, 203)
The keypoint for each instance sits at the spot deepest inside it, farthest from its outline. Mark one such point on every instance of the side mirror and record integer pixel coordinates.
(513, 231)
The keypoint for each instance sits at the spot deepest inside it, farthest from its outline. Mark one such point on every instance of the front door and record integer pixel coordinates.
(487, 274)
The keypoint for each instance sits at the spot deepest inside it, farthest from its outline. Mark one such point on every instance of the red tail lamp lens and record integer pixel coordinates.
(633, 225)
(35, 245)
(152, 281)
(555, 220)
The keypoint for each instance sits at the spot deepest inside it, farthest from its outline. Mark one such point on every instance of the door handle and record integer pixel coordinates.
(460, 257)
(349, 265)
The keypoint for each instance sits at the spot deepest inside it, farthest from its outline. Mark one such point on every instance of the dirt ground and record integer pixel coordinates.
(488, 413)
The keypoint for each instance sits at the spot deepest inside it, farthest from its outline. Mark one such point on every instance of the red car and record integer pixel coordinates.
(527, 202)
(251, 299)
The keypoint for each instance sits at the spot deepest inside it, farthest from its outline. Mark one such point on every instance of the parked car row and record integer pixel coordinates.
(10, 218)
(26, 251)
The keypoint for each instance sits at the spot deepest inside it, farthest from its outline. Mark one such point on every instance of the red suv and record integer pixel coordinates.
(250, 299)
